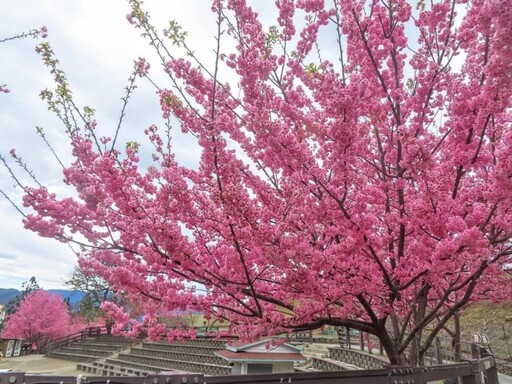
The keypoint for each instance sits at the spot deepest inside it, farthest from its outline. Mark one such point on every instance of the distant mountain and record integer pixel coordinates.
(7, 294)
(73, 296)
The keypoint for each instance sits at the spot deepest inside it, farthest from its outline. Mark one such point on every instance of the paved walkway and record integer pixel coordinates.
(504, 379)
(40, 364)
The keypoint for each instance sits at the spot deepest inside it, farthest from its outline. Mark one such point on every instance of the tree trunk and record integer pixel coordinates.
(413, 353)
(456, 338)
(390, 347)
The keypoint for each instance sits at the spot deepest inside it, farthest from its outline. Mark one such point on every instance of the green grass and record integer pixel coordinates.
(493, 319)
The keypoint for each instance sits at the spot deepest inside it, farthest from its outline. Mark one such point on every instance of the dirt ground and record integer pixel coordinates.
(40, 364)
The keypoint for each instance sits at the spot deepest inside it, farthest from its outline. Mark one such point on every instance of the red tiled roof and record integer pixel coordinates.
(263, 356)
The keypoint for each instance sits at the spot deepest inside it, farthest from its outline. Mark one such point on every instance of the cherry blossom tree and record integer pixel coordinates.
(355, 169)
(27, 287)
(41, 317)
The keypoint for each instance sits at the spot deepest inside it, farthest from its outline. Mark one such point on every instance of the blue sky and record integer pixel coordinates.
(96, 47)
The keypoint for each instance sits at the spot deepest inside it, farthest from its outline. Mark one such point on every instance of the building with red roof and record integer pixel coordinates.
(262, 356)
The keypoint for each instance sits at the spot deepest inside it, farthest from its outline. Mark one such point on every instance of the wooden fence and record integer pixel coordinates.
(481, 371)
(74, 337)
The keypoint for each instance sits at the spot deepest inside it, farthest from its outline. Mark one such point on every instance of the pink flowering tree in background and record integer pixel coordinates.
(355, 169)
(40, 317)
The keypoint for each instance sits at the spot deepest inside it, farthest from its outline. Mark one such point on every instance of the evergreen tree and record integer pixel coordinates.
(27, 287)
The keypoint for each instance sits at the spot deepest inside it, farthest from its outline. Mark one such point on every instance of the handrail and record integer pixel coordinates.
(74, 337)
(471, 371)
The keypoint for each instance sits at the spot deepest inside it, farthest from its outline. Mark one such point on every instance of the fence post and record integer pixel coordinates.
(475, 377)
(439, 358)
(491, 375)
(475, 351)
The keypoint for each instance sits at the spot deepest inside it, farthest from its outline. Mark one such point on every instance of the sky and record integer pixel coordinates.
(96, 47)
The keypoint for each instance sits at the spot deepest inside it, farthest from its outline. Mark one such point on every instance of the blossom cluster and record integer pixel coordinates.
(368, 188)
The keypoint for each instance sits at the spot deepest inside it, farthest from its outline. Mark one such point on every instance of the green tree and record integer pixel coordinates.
(27, 287)
(96, 290)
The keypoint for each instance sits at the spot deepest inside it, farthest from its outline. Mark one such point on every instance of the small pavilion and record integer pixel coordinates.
(262, 356)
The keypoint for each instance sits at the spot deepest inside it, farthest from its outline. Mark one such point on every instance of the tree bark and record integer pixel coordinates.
(457, 352)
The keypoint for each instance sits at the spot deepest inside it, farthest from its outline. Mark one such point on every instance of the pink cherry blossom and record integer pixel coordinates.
(365, 183)
(142, 67)
(44, 32)
(40, 317)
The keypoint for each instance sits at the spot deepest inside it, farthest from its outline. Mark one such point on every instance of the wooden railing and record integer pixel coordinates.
(471, 372)
(75, 337)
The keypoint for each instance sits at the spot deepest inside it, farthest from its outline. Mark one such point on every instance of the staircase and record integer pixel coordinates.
(90, 348)
(316, 350)
(331, 357)
(146, 358)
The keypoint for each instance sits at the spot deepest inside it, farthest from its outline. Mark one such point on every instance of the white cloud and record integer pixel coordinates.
(24, 254)
(96, 47)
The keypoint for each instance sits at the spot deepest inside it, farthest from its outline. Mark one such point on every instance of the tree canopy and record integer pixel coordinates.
(96, 291)
(41, 317)
(355, 169)
(27, 287)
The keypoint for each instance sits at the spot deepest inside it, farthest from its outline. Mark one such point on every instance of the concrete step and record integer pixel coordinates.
(159, 366)
(166, 363)
(84, 351)
(220, 344)
(172, 355)
(307, 369)
(182, 348)
(316, 350)
(73, 356)
(106, 369)
(326, 364)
